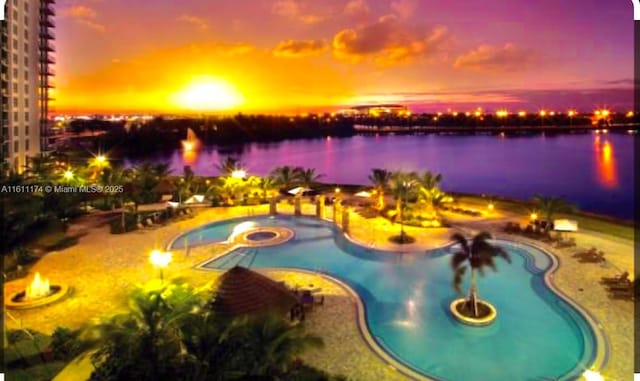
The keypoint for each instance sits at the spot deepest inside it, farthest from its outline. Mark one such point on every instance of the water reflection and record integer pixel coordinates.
(605, 163)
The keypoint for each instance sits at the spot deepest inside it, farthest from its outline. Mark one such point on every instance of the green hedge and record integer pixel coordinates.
(130, 223)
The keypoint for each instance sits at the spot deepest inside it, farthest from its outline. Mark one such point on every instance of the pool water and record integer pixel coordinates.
(537, 335)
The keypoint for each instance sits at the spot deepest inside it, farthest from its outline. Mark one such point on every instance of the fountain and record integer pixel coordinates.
(38, 293)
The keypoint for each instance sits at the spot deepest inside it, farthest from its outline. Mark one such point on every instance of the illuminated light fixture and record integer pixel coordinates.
(160, 259)
(467, 113)
(435, 118)
(478, 113)
(552, 113)
(533, 216)
(630, 114)
(522, 114)
(502, 113)
(491, 207)
(439, 114)
(101, 159)
(337, 190)
(239, 174)
(572, 113)
(543, 113)
(455, 113)
(188, 145)
(592, 375)
(68, 174)
(606, 113)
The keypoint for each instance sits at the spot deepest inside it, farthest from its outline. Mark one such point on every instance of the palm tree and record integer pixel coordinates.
(479, 255)
(266, 184)
(380, 179)
(273, 344)
(430, 192)
(228, 166)
(143, 343)
(284, 176)
(403, 186)
(40, 168)
(306, 177)
(549, 206)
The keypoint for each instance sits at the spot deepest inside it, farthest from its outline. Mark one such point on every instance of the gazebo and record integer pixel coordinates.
(242, 291)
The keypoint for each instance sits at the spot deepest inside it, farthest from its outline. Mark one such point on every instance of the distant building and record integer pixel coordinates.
(376, 110)
(26, 80)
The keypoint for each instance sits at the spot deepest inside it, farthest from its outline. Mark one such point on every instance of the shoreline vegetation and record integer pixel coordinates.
(137, 138)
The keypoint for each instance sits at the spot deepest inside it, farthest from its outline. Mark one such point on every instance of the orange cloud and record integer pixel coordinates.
(300, 48)
(198, 22)
(388, 42)
(357, 8)
(293, 9)
(489, 58)
(404, 8)
(84, 15)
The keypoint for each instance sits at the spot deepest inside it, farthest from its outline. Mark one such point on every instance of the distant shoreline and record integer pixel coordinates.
(463, 130)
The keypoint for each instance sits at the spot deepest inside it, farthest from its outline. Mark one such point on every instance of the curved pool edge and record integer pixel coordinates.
(600, 357)
(602, 351)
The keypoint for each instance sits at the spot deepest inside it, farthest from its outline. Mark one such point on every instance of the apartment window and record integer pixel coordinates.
(15, 116)
(15, 28)
(15, 87)
(26, 88)
(15, 102)
(15, 17)
(16, 146)
(26, 7)
(26, 61)
(15, 2)
(26, 34)
(15, 43)
(26, 116)
(26, 102)
(26, 20)
(15, 131)
(26, 129)
(15, 58)
(26, 47)
(26, 74)
(26, 145)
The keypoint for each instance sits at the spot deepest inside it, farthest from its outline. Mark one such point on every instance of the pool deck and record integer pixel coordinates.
(102, 267)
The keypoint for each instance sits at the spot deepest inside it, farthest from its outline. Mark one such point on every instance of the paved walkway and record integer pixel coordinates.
(103, 267)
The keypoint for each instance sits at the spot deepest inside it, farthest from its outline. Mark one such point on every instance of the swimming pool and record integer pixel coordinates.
(537, 335)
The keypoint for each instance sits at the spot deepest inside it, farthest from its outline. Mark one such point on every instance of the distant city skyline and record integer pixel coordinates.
(287, 56)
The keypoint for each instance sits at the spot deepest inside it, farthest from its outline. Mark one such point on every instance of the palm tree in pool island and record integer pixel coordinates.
(477, 256)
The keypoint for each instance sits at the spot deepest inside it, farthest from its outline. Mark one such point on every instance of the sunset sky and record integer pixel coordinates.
(310, 55)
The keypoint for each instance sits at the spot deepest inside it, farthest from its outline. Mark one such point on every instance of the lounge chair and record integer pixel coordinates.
(589, 252)
(624, 285)
(593, 257)
(624, 277)
(628, 294)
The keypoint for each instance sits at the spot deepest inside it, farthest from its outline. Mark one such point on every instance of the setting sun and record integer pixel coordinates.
(209, 94)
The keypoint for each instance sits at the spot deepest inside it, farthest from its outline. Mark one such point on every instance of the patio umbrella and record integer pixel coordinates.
(241, 291)
(297, 190)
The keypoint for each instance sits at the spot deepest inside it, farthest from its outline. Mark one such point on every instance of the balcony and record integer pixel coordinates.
(48, 22)
(46, 33)
(46, 58)
(47, 10)
(47, 71)
(45, 46)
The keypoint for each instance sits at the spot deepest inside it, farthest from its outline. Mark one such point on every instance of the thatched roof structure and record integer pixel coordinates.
(242, 291)
(164, 186)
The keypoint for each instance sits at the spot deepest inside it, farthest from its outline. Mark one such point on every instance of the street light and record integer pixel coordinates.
(533, 216)
(68, 174)
(239, 174)
(160, 260)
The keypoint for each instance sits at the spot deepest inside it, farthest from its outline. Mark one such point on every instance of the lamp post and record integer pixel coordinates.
(160, 260)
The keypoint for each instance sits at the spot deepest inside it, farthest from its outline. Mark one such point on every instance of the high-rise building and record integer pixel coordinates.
(26, 80)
